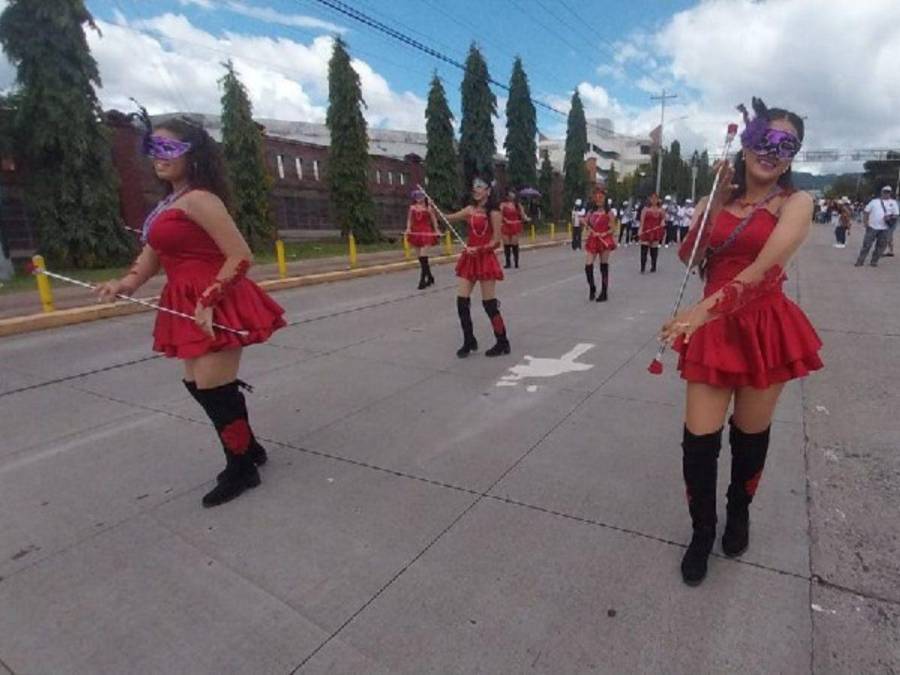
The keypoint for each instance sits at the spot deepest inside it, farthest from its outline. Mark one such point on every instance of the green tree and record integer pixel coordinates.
(242, 143)
(72, 188)
(613, 187)
(881, 172)
(521, 129)
(575, 174)
(477, 146)
(348, 152)
(441, 161)
(704, 175)
(545, 185)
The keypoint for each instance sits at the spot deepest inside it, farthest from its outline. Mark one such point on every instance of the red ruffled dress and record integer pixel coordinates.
(192, 260)
(481, 266)
(653, 232)
(512, 220)
(766, 341)
(422, 234)
(600, 238)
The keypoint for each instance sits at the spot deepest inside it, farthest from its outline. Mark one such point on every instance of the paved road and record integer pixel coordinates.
(425, 514)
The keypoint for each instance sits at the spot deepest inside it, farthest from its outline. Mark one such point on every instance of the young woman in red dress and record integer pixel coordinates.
(599, 244)
(478, 265)
(513, 218)
(651, 232)
(192, 237)
(422, 232)
(745, 339)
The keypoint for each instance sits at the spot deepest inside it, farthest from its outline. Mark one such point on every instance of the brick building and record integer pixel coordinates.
(297, 158)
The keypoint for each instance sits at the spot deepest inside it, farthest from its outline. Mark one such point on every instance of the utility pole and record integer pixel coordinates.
(662, 121)
(694, 169)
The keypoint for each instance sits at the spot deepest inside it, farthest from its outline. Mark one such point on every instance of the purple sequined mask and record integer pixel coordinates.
(761, 139)
(160, 147)
(776, 143)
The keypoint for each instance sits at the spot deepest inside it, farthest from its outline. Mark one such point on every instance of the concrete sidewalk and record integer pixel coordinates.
(425, 514)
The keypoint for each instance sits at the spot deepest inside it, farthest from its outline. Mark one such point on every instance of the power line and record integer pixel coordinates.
(366, 20)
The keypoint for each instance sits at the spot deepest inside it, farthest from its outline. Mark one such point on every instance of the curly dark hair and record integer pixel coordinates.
(786, 180)
(205, 163)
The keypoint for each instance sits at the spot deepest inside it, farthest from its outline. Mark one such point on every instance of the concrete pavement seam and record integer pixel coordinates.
(821, 581)
(6, 667)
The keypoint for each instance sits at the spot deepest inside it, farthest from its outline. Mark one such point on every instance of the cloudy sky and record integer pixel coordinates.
(833, 61)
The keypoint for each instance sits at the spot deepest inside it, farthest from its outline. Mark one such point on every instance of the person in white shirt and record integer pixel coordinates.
(685, 216)
(880, 218)
(578, 212)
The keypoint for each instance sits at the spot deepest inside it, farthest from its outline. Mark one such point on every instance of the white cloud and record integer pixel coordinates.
(272, 16)
(833, 61)
(205, 4)
(180, 64)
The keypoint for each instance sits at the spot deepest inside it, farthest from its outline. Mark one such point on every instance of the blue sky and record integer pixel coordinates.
(831, 61)
(561, 43)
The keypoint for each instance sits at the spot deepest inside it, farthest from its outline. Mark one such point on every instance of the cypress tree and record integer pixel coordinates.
(521, 129)
(242, 142)
(545, 185)
(479, 105)
(612, 185)
(704, 175)
(348, 153)
(441, 161)
(575, 179)
(72, 189)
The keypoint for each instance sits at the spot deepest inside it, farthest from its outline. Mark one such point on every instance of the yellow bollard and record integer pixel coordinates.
(569, 229)
(43, 284)
(279, 254)
(407, 250)
(352, 241)
(448, 243)
(532, 232)
(552, 230)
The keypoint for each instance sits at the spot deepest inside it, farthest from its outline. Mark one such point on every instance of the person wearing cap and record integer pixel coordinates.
(842, 226)
(671, 210)
(422, 232)
(880, 218)
(578, 212)
(685, 217)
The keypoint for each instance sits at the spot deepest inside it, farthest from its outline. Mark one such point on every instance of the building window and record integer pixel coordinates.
(298, 164)
(279, 162)
(378, 176)
(402, 178)
(390, 177)
(315, 169)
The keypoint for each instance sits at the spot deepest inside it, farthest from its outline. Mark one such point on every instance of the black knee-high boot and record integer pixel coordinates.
(644, 249)
(748, 458)
(429, 277)
(256, 452)
(604, 282)
(492, 307)
(515, 252)
(226, 408)
(507, 252)
(699, 463)
(464, 309)
(423, 277)
(592, 287)
(654, 254)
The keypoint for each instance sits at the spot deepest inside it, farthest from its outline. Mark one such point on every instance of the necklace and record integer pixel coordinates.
(163, 204)
(474, 229)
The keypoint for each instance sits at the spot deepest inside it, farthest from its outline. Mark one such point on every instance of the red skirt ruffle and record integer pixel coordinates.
(482, 266)
(767, 342)
(245, 307)
(422, 239)
(654, 236)
(597, 244)
(511, 229)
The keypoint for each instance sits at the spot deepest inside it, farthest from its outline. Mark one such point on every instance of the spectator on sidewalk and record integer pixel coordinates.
(578, 212)
(842, 224)
(879, 217)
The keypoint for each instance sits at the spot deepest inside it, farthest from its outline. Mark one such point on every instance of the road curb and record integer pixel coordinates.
(75, 315)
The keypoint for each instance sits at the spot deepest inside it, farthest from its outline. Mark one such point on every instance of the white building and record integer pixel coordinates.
(605, 148)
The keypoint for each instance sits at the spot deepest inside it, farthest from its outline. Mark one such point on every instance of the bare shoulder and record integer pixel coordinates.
(202, 200)
(799, 199)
